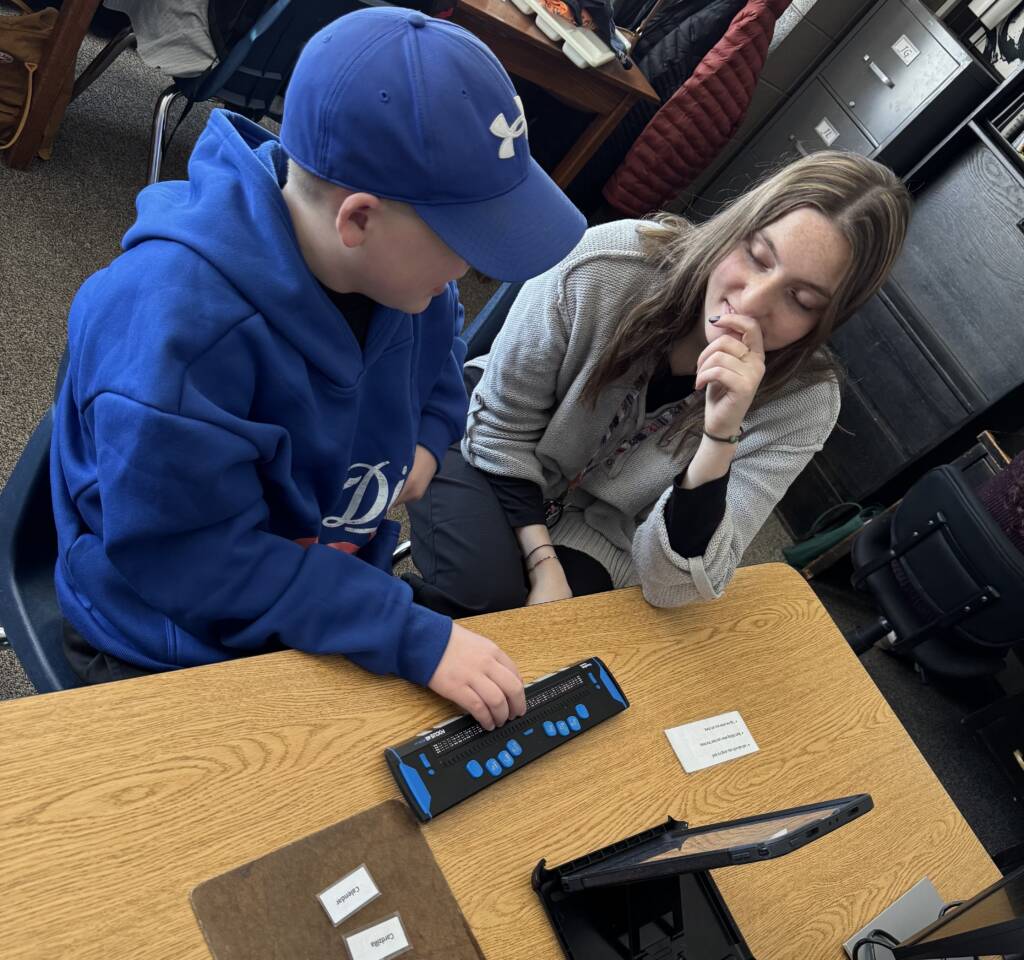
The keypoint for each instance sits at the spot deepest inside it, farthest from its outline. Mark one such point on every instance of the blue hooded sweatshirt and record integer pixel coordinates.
(224, 454)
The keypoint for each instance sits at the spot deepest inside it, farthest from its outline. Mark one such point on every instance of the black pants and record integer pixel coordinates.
(467, 554)
(92, 665)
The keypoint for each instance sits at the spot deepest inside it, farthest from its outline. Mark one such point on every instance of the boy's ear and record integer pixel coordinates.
(353, 217)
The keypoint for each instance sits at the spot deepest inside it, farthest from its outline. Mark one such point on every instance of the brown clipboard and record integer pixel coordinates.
(268, 908)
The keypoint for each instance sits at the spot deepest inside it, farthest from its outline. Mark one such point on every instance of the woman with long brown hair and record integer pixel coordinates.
(650, 399)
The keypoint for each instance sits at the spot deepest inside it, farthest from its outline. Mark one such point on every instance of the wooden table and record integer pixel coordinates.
(54, 73)
(609, 91)
(119, 799)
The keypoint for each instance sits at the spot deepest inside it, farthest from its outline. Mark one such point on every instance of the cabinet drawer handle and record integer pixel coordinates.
(1019, 757)
(879, 72)
(798, 145)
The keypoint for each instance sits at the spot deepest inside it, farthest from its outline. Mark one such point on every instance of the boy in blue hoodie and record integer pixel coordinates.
(272, 363)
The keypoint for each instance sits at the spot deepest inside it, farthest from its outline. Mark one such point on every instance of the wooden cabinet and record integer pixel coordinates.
(898, 398)
(963, 269)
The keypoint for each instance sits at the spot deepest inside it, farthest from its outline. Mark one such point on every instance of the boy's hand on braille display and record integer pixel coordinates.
(480, 678)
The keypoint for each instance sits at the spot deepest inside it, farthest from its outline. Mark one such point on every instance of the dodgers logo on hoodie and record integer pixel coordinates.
(370, 496)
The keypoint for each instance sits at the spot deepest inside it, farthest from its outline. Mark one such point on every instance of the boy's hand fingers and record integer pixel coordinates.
(493, 696)
(477, 708)
(506, 661)
(480, 678)
(512, 688)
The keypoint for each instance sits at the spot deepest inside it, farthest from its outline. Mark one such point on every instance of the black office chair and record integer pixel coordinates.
(480, 334)
(252, 77)
(29, 612)
(948, 581)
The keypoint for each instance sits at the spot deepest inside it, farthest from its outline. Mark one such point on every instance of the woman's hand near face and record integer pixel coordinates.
(730, 368)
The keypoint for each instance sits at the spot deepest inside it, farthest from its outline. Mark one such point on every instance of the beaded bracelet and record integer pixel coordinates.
(540, 561)
(735, 438)
(535, 549)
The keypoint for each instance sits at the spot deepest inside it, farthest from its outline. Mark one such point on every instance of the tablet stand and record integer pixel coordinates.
(680, 917)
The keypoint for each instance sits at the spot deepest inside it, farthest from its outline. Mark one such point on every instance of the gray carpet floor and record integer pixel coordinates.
(62, 220)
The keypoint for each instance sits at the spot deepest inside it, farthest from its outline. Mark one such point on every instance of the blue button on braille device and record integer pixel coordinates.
(549, 728)
(582, 711)
(563, 728)
(513, 747)
(493, 766)
(474, 768)
(574, 724)
(505, 758)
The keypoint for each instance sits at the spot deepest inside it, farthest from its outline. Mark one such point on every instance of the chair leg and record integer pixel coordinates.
(96, 69)
(156, 142)
(864, 638)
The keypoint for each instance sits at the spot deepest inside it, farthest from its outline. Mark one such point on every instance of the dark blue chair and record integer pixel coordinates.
(28, 550)
(480, 334)
(28, 541)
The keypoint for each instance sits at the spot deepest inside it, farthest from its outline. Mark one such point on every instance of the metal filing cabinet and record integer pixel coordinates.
(890, 67)
(890, 91)
(796, 132)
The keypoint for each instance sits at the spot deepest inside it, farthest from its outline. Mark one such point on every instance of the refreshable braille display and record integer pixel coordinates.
(440, 767)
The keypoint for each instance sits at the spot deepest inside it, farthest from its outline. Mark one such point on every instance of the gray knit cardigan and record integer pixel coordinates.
(526, 419)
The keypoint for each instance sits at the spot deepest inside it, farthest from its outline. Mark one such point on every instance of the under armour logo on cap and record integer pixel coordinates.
(507, 134)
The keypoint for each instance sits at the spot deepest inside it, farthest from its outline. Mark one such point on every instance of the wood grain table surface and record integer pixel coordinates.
(119, 799)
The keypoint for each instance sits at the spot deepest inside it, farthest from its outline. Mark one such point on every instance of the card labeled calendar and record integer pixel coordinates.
(705, 743)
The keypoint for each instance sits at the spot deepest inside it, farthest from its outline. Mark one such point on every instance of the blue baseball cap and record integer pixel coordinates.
(407, 107)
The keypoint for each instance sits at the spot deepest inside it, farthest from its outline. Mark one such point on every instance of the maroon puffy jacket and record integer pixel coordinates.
(699, 118)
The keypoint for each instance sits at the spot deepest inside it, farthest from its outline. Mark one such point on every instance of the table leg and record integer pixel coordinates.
(591, 138)
(54, 72)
